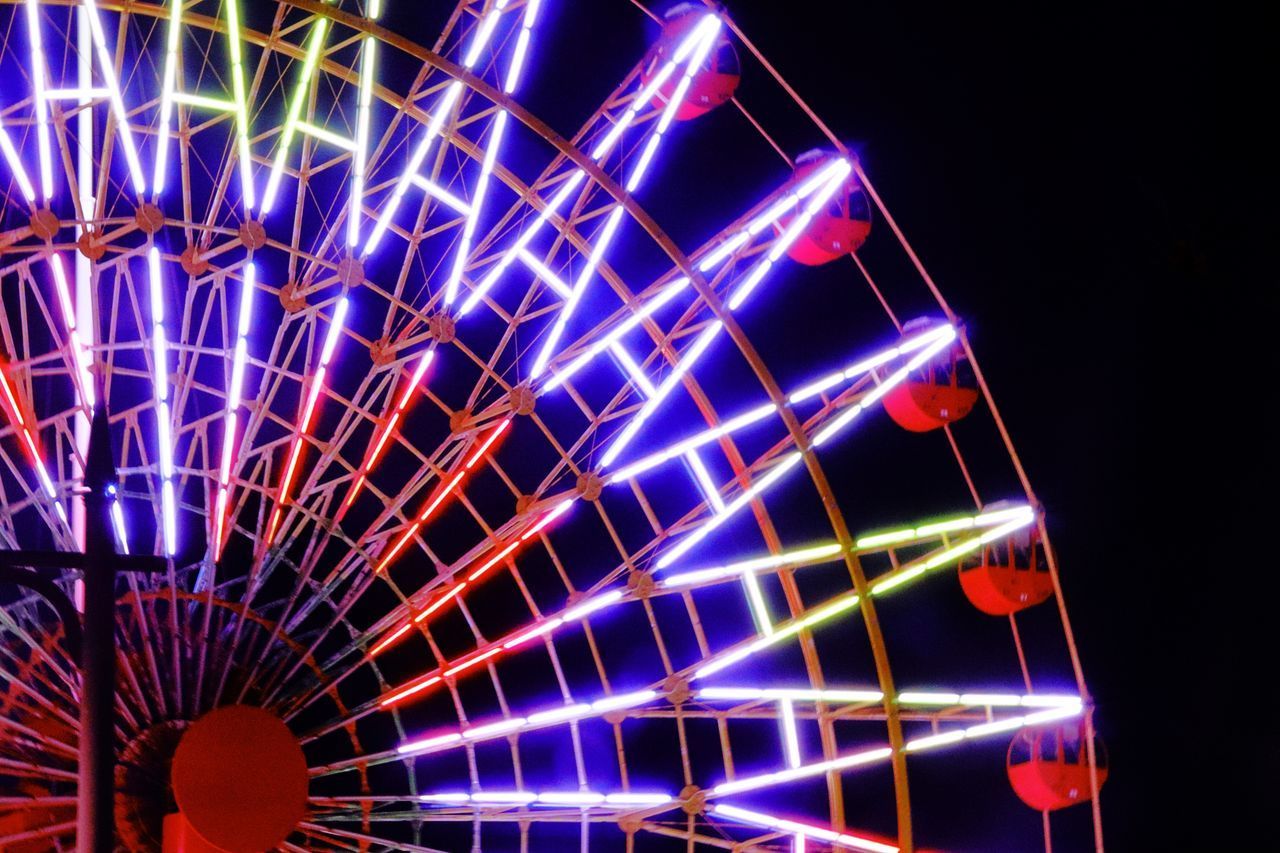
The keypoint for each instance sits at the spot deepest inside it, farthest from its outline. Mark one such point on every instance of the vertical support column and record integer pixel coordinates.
(95, 821)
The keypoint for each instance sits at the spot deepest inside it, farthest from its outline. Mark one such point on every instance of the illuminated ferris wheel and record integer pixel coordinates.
(497, 504)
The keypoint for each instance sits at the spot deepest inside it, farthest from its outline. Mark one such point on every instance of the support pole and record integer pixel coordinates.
(95, 821)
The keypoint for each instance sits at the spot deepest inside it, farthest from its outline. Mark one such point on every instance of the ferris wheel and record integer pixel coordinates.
(486, 500)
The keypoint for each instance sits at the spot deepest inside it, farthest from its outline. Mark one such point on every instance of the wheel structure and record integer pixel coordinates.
(633, 488)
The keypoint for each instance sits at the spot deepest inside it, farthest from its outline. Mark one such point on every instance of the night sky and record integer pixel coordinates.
(1076, 182)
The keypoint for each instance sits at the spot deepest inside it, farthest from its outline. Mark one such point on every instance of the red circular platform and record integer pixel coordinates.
(240, 778)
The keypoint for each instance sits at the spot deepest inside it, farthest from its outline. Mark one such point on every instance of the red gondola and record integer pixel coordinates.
(1008, 576)
(713, 84)
(840, 228)
(1049, 766)
(935, 396)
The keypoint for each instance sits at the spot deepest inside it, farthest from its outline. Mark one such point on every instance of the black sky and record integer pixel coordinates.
(1080, 183)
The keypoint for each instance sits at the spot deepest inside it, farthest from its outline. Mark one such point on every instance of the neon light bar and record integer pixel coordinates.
(695, 352)
(924, 531)
(687, 361)
(117, 521)
(790, 736)
(81, 353)
(388, 430)
(832, 608)
(160, 382)
(789, 235)
(820, 553)
(484, 569)
(583, 799)
(244, 321)
(765, 780)
(106, 64)
(952, 554)
(602, 243)
(790, 694)
(801, 831)
(705, 437)
(434, 503)
(15, 164)
(866, 365)
(412, 175)
(617, 702)
(745, 497)
(1008, 724)
(708, 24)
(23, 429)
(849, 415)
(237, 104)
(38, 72)
(291, 124)
(559, 377)
(336, 324)
(522, 242)
(522, 46)
(646, 94)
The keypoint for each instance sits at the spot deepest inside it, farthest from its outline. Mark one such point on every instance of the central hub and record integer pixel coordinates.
(240, 779)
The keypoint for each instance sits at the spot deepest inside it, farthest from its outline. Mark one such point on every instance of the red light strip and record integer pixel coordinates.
(389, 430)
(387, 642)
(23, 429)
(434, 503)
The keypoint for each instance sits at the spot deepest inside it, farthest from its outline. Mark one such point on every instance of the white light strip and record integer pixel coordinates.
(602, 242)
(820, 553)
(745, 497)
(106, 65)
(571, 184)
(235, 391)
(559, 377)
(836, 426)
(35, 40)
(15, 164)
(513, 725)
(682, 447)
(801, 831)
(160, 382)
(926, 742)
(789, 235)
(526, 237)
(790, 736)
(687, 360)
(545, 273)
(790, 694)
(865, 365)
(80, 352)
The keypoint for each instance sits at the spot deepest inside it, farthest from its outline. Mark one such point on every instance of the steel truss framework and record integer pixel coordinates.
(448, 475)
